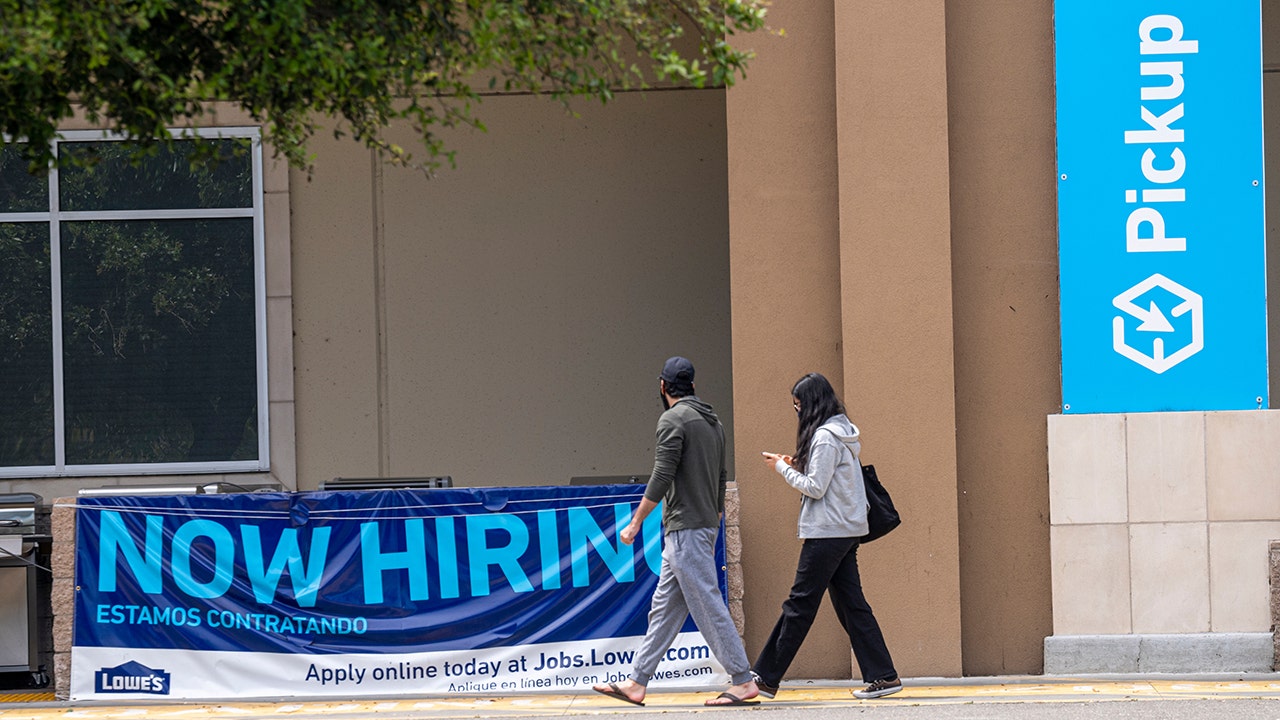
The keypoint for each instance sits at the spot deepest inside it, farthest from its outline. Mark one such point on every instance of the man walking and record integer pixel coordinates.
(689, 474)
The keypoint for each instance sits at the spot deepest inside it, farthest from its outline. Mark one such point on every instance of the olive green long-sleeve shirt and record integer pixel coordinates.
(689, 466)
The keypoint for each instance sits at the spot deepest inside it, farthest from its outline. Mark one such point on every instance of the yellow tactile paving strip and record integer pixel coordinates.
(589, 704)
(26, 696)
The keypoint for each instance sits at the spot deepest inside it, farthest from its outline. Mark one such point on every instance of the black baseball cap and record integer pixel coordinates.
(677, 370)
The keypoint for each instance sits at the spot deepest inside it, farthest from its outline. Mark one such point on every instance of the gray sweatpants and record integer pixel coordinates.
(687, 585)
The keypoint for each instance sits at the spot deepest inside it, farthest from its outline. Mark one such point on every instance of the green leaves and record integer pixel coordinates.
(142, 66)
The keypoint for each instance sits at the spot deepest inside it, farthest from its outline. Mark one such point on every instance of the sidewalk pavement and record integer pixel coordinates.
(794, 695)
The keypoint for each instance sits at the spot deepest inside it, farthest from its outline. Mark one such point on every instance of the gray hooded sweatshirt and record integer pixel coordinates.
(834, 502)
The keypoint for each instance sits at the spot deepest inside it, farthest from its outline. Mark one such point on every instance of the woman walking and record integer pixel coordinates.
(833, 516)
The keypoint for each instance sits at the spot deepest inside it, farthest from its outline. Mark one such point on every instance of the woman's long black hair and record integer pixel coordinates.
(818, 402)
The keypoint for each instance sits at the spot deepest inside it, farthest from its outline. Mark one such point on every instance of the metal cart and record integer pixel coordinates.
(19, 618)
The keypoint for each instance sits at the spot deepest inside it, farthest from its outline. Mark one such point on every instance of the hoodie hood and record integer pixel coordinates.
(705, 410)
(845, 431)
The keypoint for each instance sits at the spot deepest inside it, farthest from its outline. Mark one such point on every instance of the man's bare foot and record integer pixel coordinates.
(627, 691)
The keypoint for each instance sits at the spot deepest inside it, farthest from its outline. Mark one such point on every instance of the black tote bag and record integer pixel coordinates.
(882, 516)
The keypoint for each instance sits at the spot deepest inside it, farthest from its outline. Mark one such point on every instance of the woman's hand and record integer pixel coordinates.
(771, 459)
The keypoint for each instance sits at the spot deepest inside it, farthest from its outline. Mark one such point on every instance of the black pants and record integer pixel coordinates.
(829, 564)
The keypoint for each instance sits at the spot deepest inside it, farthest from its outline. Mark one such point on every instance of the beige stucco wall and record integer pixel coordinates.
(1005, 275)
(840, 251)
(504, 322)
(893, 219)
(896, 305)
(785, 263)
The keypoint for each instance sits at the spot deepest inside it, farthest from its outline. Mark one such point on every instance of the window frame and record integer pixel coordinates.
(55, 217)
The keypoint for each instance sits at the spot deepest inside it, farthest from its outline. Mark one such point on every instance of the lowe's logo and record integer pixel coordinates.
(131, 677)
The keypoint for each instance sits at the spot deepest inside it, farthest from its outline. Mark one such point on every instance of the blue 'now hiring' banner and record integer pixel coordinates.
(367, 593)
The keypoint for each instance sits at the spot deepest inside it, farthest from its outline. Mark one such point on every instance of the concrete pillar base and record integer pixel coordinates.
(1179, 653)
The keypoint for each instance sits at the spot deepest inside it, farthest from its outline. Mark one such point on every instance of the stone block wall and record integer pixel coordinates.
(733, 556)
(63, 564)
(1275, 602)
(1160, 525)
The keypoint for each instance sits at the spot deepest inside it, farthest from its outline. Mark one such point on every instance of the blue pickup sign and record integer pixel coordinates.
(1161, 230)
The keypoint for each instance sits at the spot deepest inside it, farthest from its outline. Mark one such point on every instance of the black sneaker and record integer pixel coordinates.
(879, 688)
(766, 689)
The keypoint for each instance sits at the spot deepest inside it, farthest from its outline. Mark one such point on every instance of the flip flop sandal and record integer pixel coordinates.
(617, 694)
(733, 700)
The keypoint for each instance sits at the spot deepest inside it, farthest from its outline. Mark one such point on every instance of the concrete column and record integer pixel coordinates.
(1005, 296)
(785, 294)
(838, 146)
(896, 297)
